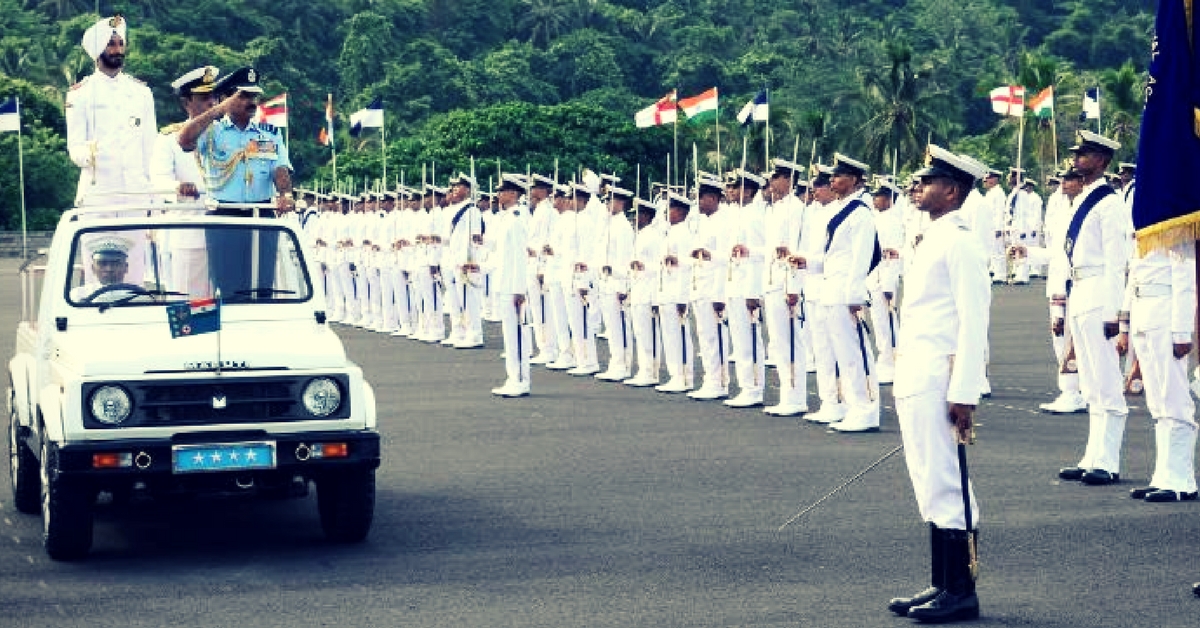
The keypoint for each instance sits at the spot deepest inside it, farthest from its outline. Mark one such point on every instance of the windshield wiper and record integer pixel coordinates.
(260, 292)
(143, 293)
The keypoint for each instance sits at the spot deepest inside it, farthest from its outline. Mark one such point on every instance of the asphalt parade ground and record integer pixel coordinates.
(593, 504)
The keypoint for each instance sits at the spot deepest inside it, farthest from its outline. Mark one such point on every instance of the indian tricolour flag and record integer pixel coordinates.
(273, 111)
(701, 107)
(1042, 105)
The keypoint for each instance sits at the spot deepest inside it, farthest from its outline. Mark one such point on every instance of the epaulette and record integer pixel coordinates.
(170, 128)
(269, 128)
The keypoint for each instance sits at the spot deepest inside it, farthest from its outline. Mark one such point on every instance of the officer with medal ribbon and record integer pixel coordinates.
(243, 161)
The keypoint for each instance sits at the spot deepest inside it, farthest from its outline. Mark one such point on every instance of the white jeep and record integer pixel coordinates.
(107, 395)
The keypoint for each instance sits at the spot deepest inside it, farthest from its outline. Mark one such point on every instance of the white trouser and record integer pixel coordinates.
(745, 333)
(1020, 265)
(855, 364)
(677, 343)
(823, 356)
(1170, 403)
(620, 338)
(579, 318)
(562, 328)
(517, 337)
(648, 343)
(432, 304)
(1103, 388)
(374, 305)
(542, 314)
(886, 324)
(1068, 383)
(931, 452)
(713, 338)
(387, 298)
(786, 330)
(999, 259)
(189, 271)
(401, 312)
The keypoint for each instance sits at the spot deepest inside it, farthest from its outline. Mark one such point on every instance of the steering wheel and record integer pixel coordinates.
(113, 287)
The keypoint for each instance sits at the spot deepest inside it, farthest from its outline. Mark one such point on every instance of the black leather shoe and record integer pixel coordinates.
(1196, 589)
(901, 605)
(1100, 477)
(1140, 493)
(946, 607)
(1071, 473)
(1163, 495)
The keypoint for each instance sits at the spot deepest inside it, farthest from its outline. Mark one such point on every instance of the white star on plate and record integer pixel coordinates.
(251, 456)
(198, 459)
(233, 455)
(216, 456)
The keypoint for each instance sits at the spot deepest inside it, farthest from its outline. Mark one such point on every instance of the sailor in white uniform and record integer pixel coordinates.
(541, 310)
(884, 281)
(1058, 217)
(643, 288)
(709, 271)
(614, 281)
(674, 291)
(782, 283)
(509, 283)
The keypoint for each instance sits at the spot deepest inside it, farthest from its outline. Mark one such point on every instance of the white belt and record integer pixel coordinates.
(1086, 272)
(1152, 290)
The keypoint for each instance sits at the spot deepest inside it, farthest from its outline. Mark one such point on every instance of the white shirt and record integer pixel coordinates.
(848, 257)
(1102, 246)
(510, 266)
(1175, 268)
(111, 134)
(643, 286)
(745, 227)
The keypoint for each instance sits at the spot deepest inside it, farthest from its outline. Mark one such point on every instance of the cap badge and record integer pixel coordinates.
(210, 74)
(251, 76)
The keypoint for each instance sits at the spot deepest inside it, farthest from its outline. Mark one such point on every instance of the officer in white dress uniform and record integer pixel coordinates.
(643, 290)
(1021, 225)
(582, 313)
(851, 251)
(883, 282)
(748, 253)
(674, 292)
(1058, 217)
(782, 287)
(709, 271)
(1097, 255)
(540, 302)
(993, 195)
(939, 375)
(810, 260)
(173, 169)
(1158, 318)
(613, 282)
(464, 229)
(510, 284)
(111, 126)
(559, 273)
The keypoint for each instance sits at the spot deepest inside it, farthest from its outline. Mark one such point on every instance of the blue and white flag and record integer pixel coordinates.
(757, 110)
(199, 316)
(1091, 104)
(369, 118)
(10, 115)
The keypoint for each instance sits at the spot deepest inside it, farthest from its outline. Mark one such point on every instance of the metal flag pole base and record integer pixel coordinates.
(841, 487)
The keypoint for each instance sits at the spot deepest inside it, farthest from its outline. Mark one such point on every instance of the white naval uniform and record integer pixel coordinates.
(186, 252)
(618, 252)
(674, 291)
(708, 287)
(463, 290)
(745, 227)
(560, 274)
(111, 135)
(1097, 276)
(509, 269)
(1161, 301)
(940, 360)
(643, 290)
(847, 261)
(1023, 219)
(431, 279)
(787, 346)
(540, 306)
(996, 200)
(1054, 231)
(812, 249)
(882, 281)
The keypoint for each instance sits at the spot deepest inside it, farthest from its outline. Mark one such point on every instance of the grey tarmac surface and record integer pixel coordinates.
(592, 504)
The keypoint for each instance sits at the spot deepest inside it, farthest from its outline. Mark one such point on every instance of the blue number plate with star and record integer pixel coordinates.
(222, 457)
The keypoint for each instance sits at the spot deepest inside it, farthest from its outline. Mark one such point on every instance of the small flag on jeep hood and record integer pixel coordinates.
(200, 316)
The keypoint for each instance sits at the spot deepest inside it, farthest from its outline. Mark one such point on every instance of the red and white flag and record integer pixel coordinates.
(665, 111)
(273, 111)
(1009, 100)
(325, 137)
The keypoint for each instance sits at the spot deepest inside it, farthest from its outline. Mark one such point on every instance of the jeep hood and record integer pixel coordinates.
(135, 349)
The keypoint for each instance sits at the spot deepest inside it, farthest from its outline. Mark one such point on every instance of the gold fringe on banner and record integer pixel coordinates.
(1168, 233)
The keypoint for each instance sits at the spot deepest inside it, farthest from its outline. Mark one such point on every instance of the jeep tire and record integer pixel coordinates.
(346, 503)
(66, 511)
(22, 469)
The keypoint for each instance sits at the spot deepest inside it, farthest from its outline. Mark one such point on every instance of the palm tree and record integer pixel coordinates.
(1123, 89)
(544, 20)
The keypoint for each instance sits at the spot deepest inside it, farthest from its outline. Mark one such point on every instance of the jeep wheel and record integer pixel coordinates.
(22, 469)
(66, 511)
(346, 502)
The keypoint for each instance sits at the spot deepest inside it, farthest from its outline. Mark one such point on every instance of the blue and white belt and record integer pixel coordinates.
(1086, 272)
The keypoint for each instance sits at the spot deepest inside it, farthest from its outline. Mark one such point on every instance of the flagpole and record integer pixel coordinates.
(717, 126)
(21, 176)
(767, 133)
(1098, 114)
(1020, 143)
(675, 152)
(383, 148)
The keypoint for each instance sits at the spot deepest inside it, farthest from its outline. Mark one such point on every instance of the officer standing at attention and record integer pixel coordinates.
(510, 285)
(939, 375)
(1096, 245)
(174, 169)
(111, 128)
(243, 162)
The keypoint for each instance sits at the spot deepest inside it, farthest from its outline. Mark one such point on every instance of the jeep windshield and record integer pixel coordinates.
(142, 265)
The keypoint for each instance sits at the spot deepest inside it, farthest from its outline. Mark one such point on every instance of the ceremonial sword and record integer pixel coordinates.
(843, 485)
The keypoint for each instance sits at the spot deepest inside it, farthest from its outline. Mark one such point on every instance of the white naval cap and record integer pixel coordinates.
(749, 177)
(198, 81)
(679, 199)
(1125, 165)
(111, 248)
(463, 179)
(786, 168)
(847, 165)
(516, 182)
(97, 36)
(940, 162)
(620, 192)
(542, 181)
(1085, 140)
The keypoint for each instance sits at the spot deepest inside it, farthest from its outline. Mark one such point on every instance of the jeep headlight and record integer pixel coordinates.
(322, 397)
(111, 405)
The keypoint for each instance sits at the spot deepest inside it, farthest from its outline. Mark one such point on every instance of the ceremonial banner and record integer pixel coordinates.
(1166, 207)
(662, 112)
(369, 118)
(10, 115)
(1042, 105)
(200, 316)
(273, 111)
(1009, 100)
(701, 107)
(757, 110)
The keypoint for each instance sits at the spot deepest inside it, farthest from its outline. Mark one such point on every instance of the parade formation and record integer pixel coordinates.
(730, 289)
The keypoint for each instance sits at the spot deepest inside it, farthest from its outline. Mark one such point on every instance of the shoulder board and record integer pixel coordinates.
(171, 128)
(269, 128)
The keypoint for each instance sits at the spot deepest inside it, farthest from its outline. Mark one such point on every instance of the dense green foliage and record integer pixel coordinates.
(531, 81)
